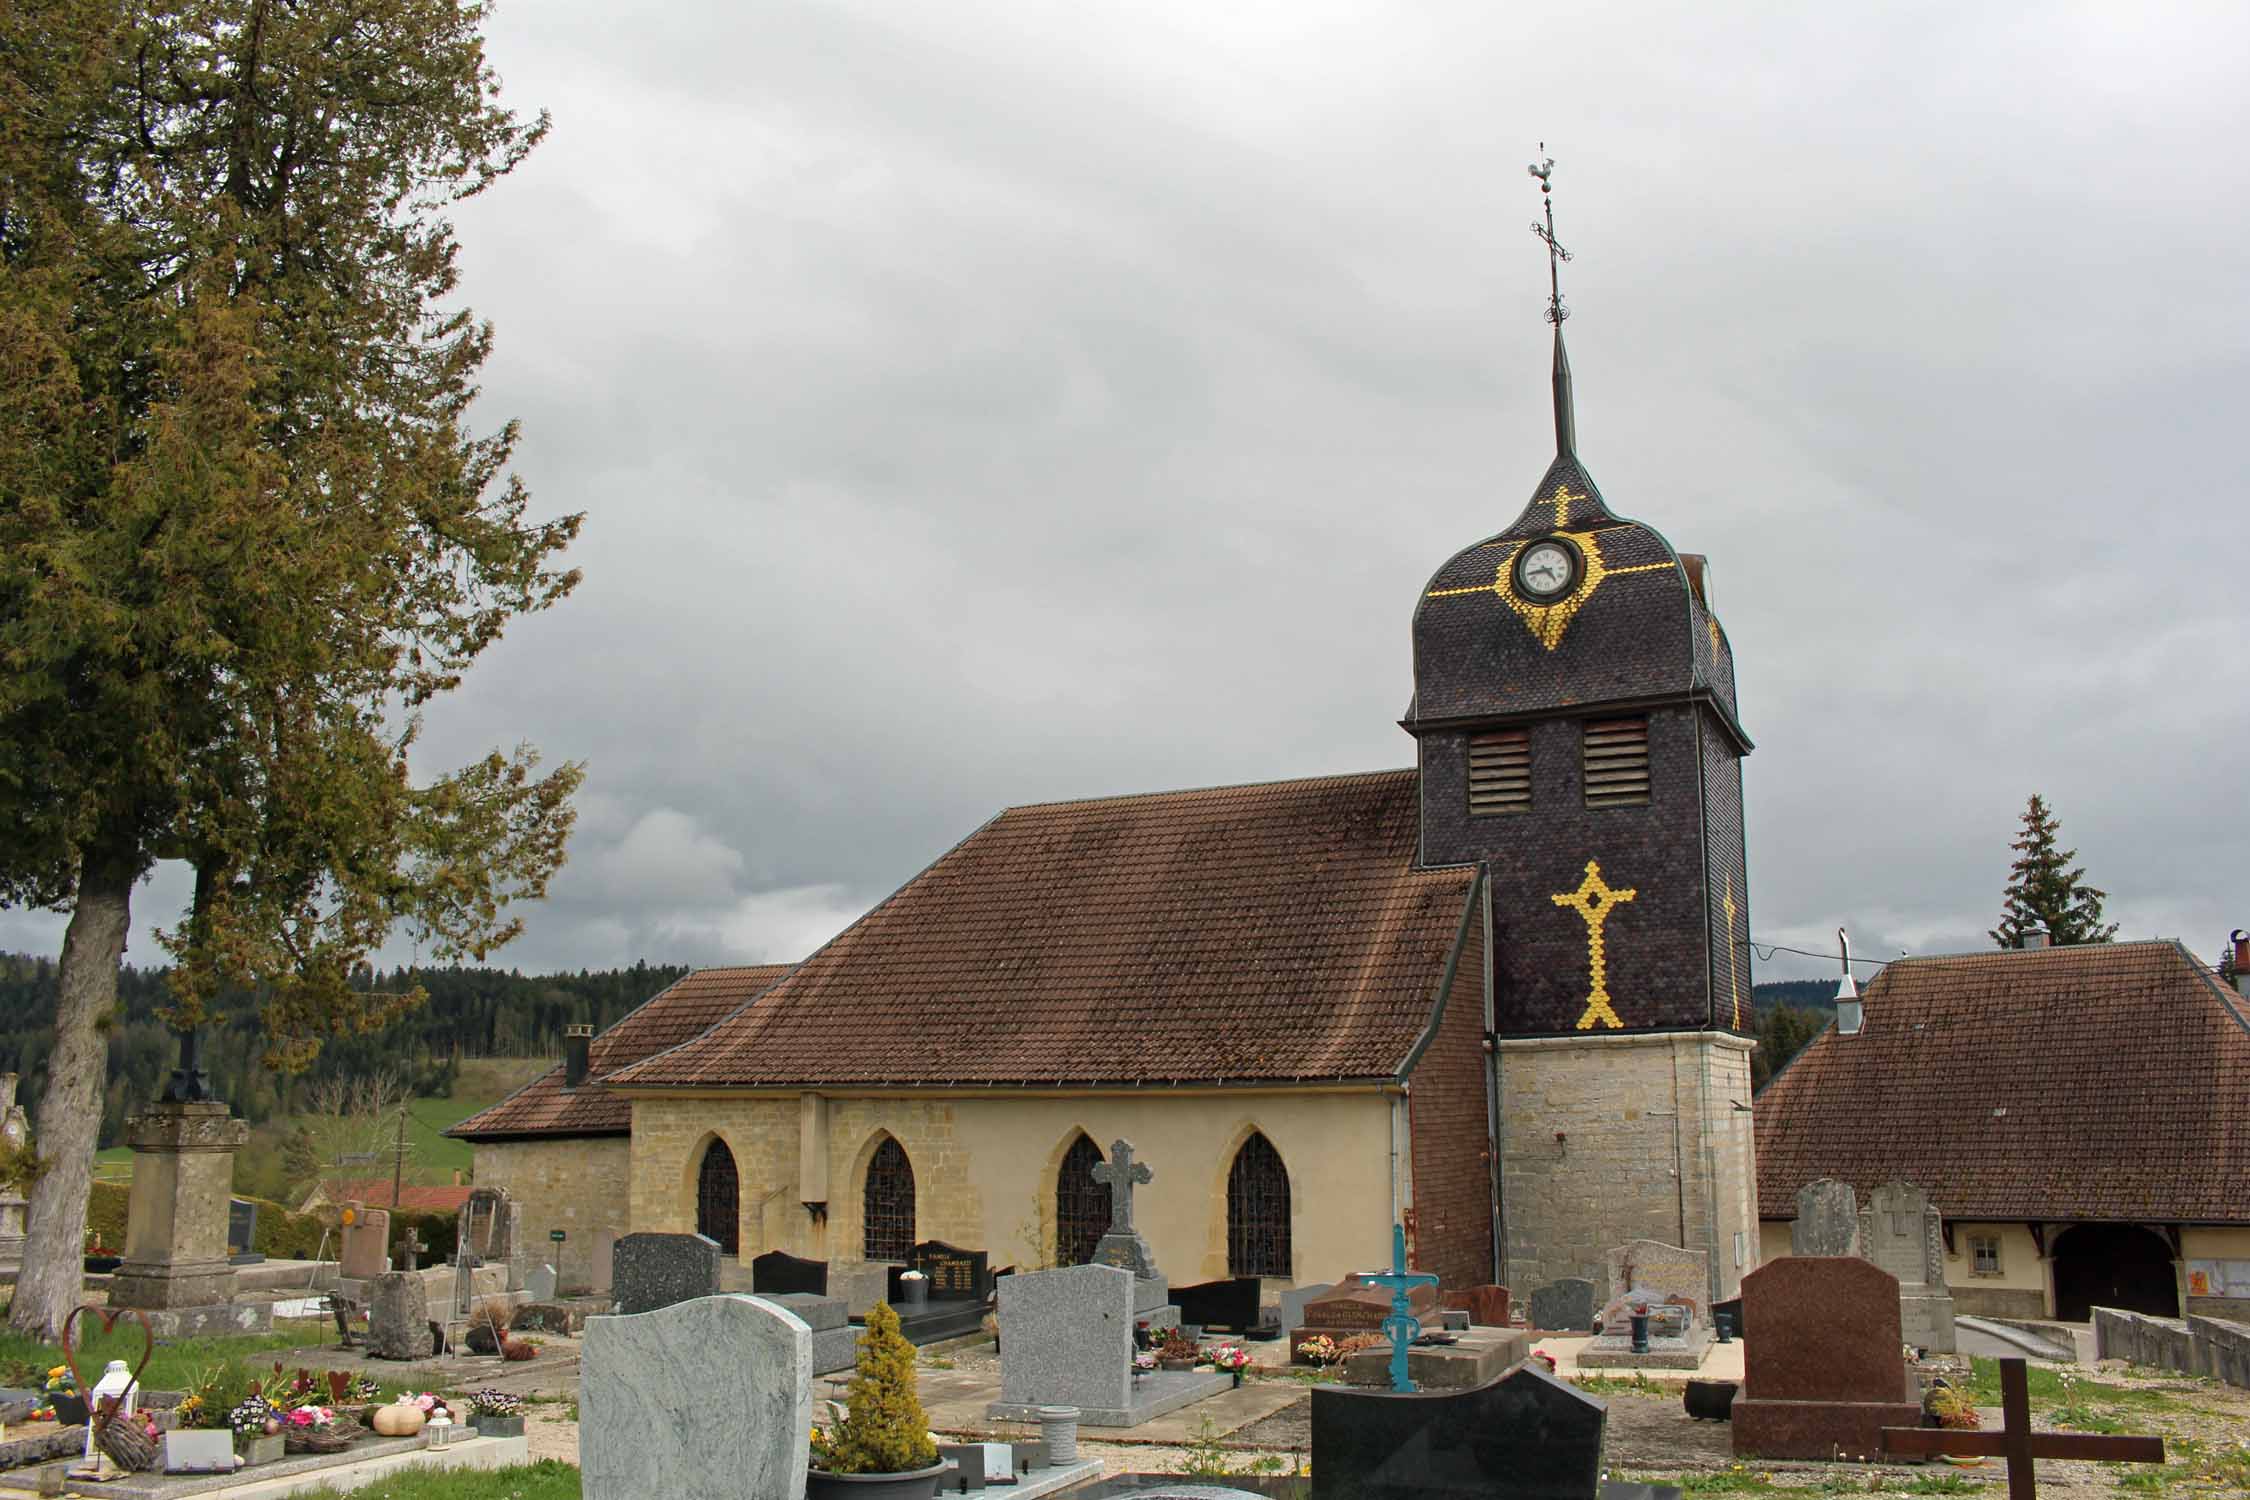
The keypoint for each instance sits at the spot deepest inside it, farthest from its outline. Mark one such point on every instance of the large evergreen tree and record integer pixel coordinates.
(245, 530)
(2045, 890)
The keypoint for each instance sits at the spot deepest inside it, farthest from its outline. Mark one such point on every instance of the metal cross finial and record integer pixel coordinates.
(1403, 1327)
(1544, 170)
(1120, 1172)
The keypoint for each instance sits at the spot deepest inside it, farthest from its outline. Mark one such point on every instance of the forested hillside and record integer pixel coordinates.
(469, 1013)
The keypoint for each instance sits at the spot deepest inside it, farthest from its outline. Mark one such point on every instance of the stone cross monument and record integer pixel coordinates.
(1123, 1246)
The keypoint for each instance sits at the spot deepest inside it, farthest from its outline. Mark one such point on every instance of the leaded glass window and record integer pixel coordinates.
(1258, 1212)
(1081, 1204)
(889, 1204)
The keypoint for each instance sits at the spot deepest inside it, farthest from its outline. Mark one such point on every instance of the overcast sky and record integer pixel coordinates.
(975, 404)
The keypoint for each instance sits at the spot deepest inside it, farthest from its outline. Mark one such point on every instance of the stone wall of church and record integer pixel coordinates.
(1606, 1139)
(985, 1169)
(577, 1185)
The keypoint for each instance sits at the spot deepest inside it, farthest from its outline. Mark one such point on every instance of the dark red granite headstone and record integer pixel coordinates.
(1487, 1306)
(1825, 1372)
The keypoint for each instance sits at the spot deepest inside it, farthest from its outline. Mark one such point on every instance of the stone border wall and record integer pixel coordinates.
(2195, 1345)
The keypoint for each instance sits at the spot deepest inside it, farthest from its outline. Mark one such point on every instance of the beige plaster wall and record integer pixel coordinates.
(1606, 1139)
(575, 1185)
(984, 1169)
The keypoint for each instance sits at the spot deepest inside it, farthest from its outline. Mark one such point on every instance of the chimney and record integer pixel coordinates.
(2241, 942)
(578, 1045)
(1849, 1014)
(2034, 937)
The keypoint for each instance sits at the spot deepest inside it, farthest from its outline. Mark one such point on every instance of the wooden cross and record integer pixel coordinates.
(1121, 1172)
(2017, 1443)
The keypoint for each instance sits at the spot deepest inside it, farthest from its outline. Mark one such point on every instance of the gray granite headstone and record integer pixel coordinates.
(835, 1343)
(710, 1397)
(1066, 1337)
(398, 1317)
(541, 1283)
(649, 1271)
(1827, 1219)
(1293, 1303)
(1563, 1306)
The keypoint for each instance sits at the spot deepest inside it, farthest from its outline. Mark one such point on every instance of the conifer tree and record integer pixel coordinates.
(2046, 891)
(245, 529)
(884, 1430)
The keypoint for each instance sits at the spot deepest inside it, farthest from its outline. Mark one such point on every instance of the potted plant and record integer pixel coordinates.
(257, 1430)
(1232, 1359)
(202, 1441)
(64, 1399)
(100, 1259)
(881, 1445)
(498, 1414)
(1177, 1352)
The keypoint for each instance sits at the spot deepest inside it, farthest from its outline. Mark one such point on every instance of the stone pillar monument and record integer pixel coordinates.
(176, 1219)
(15, 1134)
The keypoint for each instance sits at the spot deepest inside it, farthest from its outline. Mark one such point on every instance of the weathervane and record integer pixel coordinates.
(1544, 170)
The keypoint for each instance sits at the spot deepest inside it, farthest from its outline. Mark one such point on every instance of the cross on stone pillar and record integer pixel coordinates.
(1120, 1172)
(2017, 1443)
(411, 1249)
(1403, 1327)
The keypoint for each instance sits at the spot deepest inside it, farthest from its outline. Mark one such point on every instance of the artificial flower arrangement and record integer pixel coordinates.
(1320, 1349)
(1230, 1358)
(59, 1383)
(1144, 1360)
(1177, 1349)
(1541, 1354)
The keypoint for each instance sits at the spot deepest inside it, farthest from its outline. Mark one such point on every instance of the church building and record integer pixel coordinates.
(1501, 997)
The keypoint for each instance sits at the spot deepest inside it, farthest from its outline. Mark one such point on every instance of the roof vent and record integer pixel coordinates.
(578, 1047)
(1849, 1013)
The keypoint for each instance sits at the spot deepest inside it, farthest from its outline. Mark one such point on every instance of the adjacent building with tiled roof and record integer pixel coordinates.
(2081, 1116)
(559, 1145)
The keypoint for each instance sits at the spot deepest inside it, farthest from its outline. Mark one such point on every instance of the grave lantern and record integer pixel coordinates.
(116, 1382)
(438, 1431)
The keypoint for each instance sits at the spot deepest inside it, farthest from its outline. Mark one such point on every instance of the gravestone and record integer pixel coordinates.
(1231, 1304)
(835, 1343)
(1902, 1233)
(365, 1254)
(1827, 1219)
(600, 1259)
(649, 1271)
(1825, 1370)
(710, 1397)
(1673, 1285)
(242, 1232)
(15, 1134)
(491, 1224)
(777, 1271)
(1526, 1434)
(1122, 1244)
(1487, 1306)
(954, 1273)
(1357, 1305)
(541, 1283)
(1563, 1306)
(1066, 1339)
(398, 1317)
(1295, 1300)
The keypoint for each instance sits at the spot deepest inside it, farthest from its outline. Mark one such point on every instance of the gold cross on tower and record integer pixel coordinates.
(1594, 901)
(1734, 981)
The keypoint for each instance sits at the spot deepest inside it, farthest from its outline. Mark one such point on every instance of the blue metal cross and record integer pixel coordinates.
(1403, 1327)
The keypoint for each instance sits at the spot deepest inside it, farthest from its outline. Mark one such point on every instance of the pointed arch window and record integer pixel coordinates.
(1081, 1204)
(888, 1204)
(1258, 1211)
(718, 1196)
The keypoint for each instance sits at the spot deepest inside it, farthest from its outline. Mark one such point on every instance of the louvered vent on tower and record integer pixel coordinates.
(1616, 757)
(1500, 773)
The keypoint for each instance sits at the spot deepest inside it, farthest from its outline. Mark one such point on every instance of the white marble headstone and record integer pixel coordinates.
(710, 1397)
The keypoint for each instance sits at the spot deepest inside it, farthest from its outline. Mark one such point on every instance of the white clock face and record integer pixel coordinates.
(1545, 570)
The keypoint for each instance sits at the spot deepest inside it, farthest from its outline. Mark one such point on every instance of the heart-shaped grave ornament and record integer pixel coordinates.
(99, 1415)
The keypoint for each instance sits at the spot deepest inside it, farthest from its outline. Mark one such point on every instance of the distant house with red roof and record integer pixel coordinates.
(414, 1197)
(2080, 1115)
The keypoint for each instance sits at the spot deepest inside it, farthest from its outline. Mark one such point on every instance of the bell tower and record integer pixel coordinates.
(1577, 733)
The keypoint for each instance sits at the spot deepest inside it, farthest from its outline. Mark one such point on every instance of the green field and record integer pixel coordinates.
(432, 1155)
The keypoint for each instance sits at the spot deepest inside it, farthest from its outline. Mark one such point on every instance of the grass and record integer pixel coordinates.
(2195, 1468)
(2049, 1386)
(548, 1479)
(1635, 1384)
(1743, 1480)
(172, 1367)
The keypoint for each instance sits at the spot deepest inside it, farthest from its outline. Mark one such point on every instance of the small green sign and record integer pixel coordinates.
(556, 1235)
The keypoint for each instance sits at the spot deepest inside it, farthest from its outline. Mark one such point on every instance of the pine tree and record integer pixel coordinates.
(2046, 891)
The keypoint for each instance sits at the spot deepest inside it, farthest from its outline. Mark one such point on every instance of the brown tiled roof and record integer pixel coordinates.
(544, 1107)
(2101, 1082)
(1237, 933)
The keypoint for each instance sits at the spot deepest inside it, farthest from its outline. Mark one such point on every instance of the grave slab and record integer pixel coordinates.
(1476, 1357)
(365, 1461)
(1526, 1434)
(1825, 1372)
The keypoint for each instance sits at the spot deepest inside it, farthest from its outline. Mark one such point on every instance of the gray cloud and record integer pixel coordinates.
(985, 403)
